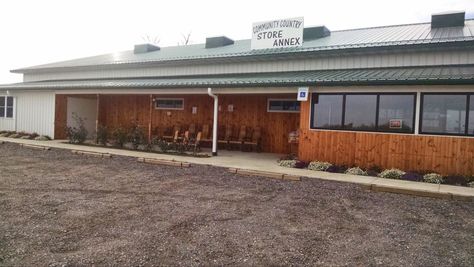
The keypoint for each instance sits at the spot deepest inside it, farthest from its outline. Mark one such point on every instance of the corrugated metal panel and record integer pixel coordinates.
(420, 75)
(35, 112)
(347, 62)
(348, 39)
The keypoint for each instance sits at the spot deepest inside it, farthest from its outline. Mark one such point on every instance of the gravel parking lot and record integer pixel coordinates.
(61, 209)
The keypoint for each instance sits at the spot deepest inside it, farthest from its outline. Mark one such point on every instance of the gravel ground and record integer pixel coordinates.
(60, 209)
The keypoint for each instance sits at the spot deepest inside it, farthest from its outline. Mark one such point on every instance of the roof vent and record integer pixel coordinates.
(448, 19)
(219, 41)
(315, 32)
(145, 48)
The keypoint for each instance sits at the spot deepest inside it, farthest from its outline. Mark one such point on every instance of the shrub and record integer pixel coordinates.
(102, 135)
(15, 135)
(136, 136)
(120, 136)
(43, 138)
(356, 171)
(301, 164)
(392, 174)
(336, 169)
(162, 144)
(455, 180)
(289, 163)
(470, 184)
(33, 135)
(319, 165)
(433, 178)
(412, 176)
(77, 135)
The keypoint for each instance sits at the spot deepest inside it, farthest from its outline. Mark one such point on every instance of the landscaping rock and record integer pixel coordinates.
(42, 138)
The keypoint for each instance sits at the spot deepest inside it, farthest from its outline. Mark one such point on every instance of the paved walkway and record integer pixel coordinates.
(266, 162)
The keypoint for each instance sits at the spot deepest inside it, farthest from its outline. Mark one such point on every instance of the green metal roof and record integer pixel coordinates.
(387, 36)
(417, 75)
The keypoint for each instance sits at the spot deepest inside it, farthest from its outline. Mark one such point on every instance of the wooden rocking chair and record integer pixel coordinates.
(255, 141)
(227, 136)
(241, 137)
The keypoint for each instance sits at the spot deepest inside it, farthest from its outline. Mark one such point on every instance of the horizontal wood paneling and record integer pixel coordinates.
(249, 110)
(442, 154)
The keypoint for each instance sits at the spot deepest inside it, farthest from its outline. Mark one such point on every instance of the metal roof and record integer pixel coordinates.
(416, 75)
(387, 36)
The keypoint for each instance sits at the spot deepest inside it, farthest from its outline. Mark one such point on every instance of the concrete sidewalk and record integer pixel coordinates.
(267, 163)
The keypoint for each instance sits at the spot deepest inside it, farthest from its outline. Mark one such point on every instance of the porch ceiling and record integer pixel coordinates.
(413, 75)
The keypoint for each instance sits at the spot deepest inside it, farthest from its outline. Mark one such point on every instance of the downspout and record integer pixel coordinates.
(214, 124)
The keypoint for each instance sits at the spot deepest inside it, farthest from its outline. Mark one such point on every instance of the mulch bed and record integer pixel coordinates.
(61, 209)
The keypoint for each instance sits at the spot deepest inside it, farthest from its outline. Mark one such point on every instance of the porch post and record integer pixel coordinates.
(214, 123)
(149, 120)
(97, 115)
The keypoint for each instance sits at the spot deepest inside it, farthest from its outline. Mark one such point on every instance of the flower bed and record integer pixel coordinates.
(24, 135)
(427, 177)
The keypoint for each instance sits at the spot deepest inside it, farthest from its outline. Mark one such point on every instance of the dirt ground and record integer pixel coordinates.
(61, 209)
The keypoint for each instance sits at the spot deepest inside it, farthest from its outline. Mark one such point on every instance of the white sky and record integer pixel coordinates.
(36, 32)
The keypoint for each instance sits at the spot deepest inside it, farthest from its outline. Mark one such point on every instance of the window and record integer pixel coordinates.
(396, 113)
(446, 114)
(364, 112)
(283, 105)
(328, 111)
(169, 103)
(6, 106)
(361, 111)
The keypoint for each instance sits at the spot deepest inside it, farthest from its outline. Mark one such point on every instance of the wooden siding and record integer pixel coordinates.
(442, 154)
(381, 60)
(249, 110)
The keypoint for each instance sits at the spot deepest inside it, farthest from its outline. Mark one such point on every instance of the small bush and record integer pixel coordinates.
(289, 163)
(136, 136)
(470, 184)
(433, 178)
(455, 180)
(43, 138)
(120, 136)
(301, 164)
(412, 176)
(319, 165)
(77, 135)
(336, 169)
(356, 171)
(33, 135)
(15, 135)
(102, 135)
(162, 144)
(392, 174)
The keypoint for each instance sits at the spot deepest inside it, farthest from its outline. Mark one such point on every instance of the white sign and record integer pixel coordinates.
(303, 94)
(277, 33)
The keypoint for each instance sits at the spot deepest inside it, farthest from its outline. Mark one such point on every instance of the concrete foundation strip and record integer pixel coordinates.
(35, 146)
(165, 162)
(273, 175)
(89, 153)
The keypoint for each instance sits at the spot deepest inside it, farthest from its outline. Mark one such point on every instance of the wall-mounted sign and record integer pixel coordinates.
(303, 93)
(230, 108)
(277, 33)
(395, 124)
(194, 110)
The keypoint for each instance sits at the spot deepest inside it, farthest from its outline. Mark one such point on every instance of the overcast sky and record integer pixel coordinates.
(36, 32)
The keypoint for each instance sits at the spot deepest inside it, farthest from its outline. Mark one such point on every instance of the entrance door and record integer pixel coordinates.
(85, 108)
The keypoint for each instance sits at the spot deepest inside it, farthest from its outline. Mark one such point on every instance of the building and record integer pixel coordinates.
(393, 96)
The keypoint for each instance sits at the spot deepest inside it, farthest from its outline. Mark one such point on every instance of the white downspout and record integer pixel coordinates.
(214, 124)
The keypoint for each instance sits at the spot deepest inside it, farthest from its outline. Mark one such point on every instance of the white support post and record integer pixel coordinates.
(214, 124)
(417, 112)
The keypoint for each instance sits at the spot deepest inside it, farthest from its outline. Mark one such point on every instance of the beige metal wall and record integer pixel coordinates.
(323, 63)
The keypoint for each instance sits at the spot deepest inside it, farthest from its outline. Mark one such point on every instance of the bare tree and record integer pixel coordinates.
(186, 39)
(151, 39)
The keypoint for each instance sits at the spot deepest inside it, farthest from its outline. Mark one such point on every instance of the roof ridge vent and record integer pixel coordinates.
(315, 32)
(218, 41)
(448, 19)
(145, 48)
